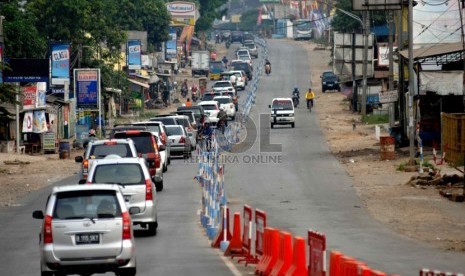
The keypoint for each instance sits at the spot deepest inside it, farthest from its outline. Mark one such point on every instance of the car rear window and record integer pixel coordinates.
(223, 100)
(143, 143)
(119, 173)
(209, 107)
(86, 204)
(165, 120)
(174, 131)
(241, 66)
(183, 121)
(100, 151)
(208, 97)
(151, 127)
(222, 84)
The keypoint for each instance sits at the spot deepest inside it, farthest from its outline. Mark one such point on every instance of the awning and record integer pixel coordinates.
(139, 83)
(434, 51)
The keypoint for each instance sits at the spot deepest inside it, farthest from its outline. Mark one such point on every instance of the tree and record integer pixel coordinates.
(345, 24)
(249, 20)
(209, 11)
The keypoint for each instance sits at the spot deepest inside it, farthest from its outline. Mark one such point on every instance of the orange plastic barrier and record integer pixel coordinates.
(334, 265)
(364, 270)
(235, 245)
(274, 252)
(267, 251)
(247, 237)
(299, 263)
(223, 234)
(284, 261)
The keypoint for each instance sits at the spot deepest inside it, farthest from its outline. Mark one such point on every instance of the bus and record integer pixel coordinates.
(303, 29)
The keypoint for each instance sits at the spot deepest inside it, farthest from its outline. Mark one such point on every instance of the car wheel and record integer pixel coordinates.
(159, 186)
(126, 272)
(165, 168)
(293, 125)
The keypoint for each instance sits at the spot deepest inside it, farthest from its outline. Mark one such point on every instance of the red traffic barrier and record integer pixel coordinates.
(317, 254)
(260, 224)
(235, 245)
(274, 252)
(267, 251)
(334, 263)
(247, 237)
(364, 270)
(299, 263)
(284, 261)
(223, 234)
(377, 273)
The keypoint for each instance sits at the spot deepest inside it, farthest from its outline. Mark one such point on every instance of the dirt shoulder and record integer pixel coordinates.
(418, 212)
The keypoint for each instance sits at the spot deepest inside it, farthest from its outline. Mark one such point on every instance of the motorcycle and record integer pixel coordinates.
(295, 99)
(184, 91)
(194, 96)
(228, 44)
(267, 69)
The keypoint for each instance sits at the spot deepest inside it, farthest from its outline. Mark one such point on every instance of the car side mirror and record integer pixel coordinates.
(38, 214)
(134, 210)
(78, 159)
(82, 181)
(269, 106)
(161, 147)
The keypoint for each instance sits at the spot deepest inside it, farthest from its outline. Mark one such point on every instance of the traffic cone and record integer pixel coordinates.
(266, 251)
(364, 270)
(334, 263)
(285, 255)
(274, 252)
(299, 263)
(235, 245)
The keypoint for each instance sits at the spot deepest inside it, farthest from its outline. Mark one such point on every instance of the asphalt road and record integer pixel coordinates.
(302, 186)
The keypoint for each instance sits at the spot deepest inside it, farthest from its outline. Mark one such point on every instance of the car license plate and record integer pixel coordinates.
(87, 238)
(330, 84)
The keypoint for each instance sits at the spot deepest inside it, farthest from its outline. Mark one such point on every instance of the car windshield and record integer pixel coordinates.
(209, 107)
(119, 173)
(282, 105)
(216, 66)
(328, 74)
(174, 131)
(222, 84)
(100, 151)
(242, 52)
(241, 66)
(223, 100)
(86, 204)
(250, 46)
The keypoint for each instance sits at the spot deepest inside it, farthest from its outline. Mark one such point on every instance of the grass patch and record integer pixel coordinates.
(375, 119)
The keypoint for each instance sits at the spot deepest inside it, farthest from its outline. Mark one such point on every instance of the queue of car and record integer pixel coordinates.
(87, 227)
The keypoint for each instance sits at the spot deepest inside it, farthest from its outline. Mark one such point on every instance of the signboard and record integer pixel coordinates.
(48, 141)
(27, 70)
(260, 224)
(30, 97)
(181, 9)
(236, 18)
(388, 96)
(134, 54)
(41, 96)
(60, 63)
(383, 55)
(376, 5)
(171, 44)
(87, 88)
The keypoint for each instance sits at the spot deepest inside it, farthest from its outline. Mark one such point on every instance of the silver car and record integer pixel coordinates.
(137, 187)
(86, 229)
(180, 142)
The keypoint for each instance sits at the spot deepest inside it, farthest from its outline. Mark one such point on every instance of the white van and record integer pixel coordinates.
(282, 112)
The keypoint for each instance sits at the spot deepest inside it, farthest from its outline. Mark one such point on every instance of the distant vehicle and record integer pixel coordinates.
(236, 36)
(179, 140)
(244, 66)
(243, 52)
(227, 104)
(329, 81)
(137, 187)
(86, 229)
(223, 86)
(208, 96)
(211, 109)
(282, 112)
(252, 49)
(247, 36)
(198, 112)
(303, 29)
(240, 78)
(200, 63)
(100, 149)
(216, 67)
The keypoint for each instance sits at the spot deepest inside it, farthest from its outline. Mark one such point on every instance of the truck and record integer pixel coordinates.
(200, 63)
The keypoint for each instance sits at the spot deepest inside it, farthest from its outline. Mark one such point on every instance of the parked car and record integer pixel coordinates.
(136, 184)
(159, 129)
(227, 104)
(211, 110)
(180, 142)
(329, 81)
(99, 149)
(147, 148)
(282, 112)
(86, 229)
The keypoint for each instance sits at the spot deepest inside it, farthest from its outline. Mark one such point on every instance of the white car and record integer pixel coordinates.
(211, 109)
(243, 51)
(221, 86)
(226, 103)
(282, 112)
(246, 58)
(241, 79)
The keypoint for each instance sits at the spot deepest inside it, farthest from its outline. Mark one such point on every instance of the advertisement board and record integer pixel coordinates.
(134, 54)
(60, 63)
(181, 9)
(29, 97)
(27, 70)
(171, 44)
(87, 88)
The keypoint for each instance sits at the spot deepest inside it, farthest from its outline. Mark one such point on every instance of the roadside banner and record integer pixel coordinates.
(27, 121)
(39, 124)
(60, 63)
(134, 54)
(41, 90)
(30, 97)
(87, 88)
(171, 44)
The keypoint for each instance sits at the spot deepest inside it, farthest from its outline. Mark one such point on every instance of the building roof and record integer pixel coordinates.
(445, 49)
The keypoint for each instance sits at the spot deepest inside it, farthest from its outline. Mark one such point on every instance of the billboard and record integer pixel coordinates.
(60, 63)
(181, 9)
(134, 54)
(171, 44)
(27, 70)
(87, 88)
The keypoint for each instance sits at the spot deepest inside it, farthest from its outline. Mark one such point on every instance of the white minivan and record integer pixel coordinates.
(282, 112)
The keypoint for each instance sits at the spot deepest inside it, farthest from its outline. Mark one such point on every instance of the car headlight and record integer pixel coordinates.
(291, 115)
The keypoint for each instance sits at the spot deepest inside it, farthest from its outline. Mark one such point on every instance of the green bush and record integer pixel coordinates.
(375, 119)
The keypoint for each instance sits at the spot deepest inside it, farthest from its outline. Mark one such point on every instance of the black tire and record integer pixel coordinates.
(292, 125)
(159, 186)
(126, 272)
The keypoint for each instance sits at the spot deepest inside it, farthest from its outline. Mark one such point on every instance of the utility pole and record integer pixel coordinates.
(366, 27)
(354, 81)
(391, 68)
(411, 121)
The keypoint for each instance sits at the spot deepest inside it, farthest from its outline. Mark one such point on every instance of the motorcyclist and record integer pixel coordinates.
(225, 60)
(184, 88)
(207, 132)
(267, 65)
(222, 119)
(194, 93)
(295, 96)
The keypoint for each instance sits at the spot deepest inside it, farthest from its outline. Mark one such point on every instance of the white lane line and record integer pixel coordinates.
(229, 264)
